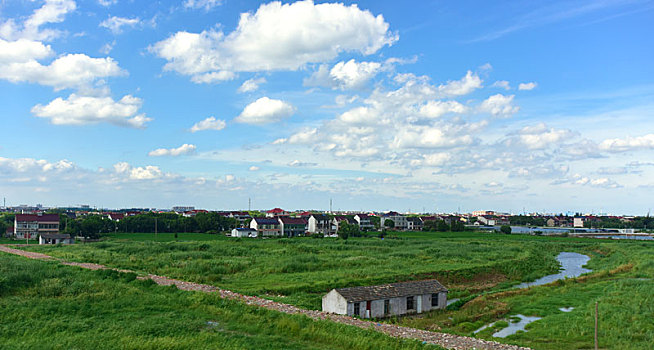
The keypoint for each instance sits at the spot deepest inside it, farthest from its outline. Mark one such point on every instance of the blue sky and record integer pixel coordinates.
(378, 105)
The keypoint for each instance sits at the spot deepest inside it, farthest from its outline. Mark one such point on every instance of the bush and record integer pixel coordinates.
(506, 229)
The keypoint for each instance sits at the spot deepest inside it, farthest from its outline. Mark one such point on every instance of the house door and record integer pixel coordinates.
(368, 309)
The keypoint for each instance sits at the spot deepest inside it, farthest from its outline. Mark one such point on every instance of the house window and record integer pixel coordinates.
(387, 307)
(357, 309)
(434, 300)
(409, 303)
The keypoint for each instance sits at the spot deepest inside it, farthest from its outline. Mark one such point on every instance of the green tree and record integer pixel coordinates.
(346, 230)
(506, 229)
(389, 223)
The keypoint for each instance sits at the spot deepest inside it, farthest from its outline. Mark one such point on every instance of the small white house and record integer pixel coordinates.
(244, 232)
(386, 300)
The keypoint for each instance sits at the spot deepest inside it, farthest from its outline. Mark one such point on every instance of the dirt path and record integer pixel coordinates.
(449, 341)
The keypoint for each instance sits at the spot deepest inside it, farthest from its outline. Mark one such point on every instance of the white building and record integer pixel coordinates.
(386, 300)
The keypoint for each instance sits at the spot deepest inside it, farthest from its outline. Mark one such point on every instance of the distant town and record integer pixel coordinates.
(67, 224)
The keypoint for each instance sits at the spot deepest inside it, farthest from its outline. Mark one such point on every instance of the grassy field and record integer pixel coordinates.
(44, 305)
(299, 271)
(476, 266)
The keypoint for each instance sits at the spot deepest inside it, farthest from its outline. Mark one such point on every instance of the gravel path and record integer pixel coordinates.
(449, 341)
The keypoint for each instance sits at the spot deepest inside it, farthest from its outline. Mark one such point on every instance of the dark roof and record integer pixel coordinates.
(393, 290)
(39, 218)
(414, 219)
(298, 221)
(362, 216)
(320, 217)
(266, 221)
(55, 235)
(244, 229)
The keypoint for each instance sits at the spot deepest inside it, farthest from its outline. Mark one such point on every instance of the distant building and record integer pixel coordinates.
(30, 226)
(55, 238)
(578, 222)
(319, 223)
(398, 219)
(266, 227)
(116, 216)
(364, 222)
(488, 220)
(292, 227)
(276, 212)
(386, 300)
(182, 209)
(414, 224)
(244, 232)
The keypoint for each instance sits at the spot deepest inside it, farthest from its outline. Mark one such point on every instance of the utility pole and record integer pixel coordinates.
(330, 205)
(249, 204)
(155, 226)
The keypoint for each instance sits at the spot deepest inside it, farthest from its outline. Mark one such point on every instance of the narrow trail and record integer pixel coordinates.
(448, 341)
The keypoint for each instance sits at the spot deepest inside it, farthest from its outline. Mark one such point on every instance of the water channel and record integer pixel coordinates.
(571, 266)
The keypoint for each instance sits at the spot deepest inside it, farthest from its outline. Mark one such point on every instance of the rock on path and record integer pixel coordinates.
(449, 341)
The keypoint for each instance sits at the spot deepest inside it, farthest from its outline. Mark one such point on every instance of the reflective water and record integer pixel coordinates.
(516, 326)
(571, 265)
(566, 309)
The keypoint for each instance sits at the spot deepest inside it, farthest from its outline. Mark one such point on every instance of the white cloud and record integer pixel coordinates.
(426, 137)
(254, 168)
(297, 163)
(598, 182)
(628, 143)
(149, 172)
(116, 24)
(81, 110)
(18, 63)
(213, 77)
(539, 136)
(107, 3)
(265, 111)
(210, 123)
(251, 85)
(499, 106)
(202, 4)
(53, 11)
(179, 151)
(503, 84)
(527, 86)
(277, 37)
(344, 75)
(466, 85)
(436, 109)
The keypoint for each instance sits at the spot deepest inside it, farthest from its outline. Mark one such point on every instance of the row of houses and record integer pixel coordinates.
(44, 227)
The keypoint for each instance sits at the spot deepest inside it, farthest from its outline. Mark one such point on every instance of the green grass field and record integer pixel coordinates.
(299, 271)
(44, 305)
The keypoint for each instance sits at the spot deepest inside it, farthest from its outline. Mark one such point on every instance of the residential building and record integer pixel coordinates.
(338, 219)
(365, 224)
(55, 238)
(319, 223)
(266, 227)
(29, 226)
(292, 227)
(116, 216)
(414, 223)
(244, 232)
(398, 219)
(182, 209)
(488, 220)
(578, 222)
(386, 300)
(276, 212)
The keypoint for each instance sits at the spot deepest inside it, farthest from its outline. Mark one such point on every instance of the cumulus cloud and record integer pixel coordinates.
(466, 85)
(503, 84)
(53, 11)
(628, 143)
(597, 182)
(179, 151)
(202, 4)
(210, 123)
(277, 37)
(107, 3)
(81, 110)
(264, 111)
(254, 168)
(149, 172)
(344, 75)
(18, 63)
(499, 106)
(116, 24)
(435, 109)
(527, 86)
(251, 85)
(539, 136)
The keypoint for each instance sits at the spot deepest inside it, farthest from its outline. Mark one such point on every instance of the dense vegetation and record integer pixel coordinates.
(44, 305)
(479, 268)
(300, 270)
